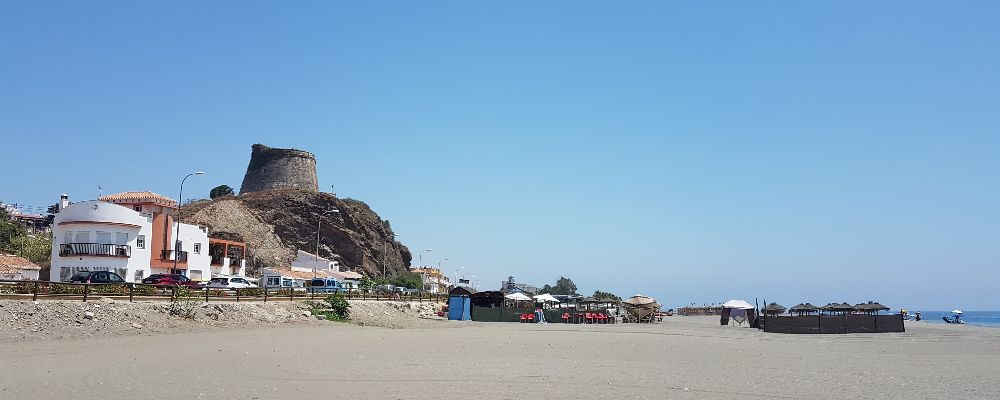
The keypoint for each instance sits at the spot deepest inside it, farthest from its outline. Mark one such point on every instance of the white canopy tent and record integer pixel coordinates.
(738, 305)
(546, 298)
(517, 297)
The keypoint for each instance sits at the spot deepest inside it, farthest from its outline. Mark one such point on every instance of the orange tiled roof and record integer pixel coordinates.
(139, 197)
(11, 264)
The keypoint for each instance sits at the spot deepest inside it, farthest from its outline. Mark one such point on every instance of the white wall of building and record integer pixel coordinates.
(194, 237)
(305, 262)
(100, 222)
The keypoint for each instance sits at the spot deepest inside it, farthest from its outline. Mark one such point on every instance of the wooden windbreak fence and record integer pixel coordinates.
(47, 290)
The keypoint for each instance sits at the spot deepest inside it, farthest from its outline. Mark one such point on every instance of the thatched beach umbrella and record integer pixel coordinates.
(774, 309)
(871, 307)
(806, 308)
(837, 307)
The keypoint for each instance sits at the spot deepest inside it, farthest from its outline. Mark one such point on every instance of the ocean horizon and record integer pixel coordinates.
(978, 318)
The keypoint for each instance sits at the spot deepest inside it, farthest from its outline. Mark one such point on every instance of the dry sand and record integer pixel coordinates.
(682, 357)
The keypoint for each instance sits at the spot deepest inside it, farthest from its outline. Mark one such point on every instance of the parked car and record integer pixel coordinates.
(96, 277)
(233, 282)
(325, 285)
(170, 279)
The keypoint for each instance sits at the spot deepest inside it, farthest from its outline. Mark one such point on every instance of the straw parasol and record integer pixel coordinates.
(870, 307)
(837, 307)
(774, 309)
(806, 308)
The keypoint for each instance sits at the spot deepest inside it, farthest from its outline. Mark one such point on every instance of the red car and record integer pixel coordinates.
(169, 280)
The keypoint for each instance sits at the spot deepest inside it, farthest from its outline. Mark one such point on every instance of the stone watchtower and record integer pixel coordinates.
(272, 169)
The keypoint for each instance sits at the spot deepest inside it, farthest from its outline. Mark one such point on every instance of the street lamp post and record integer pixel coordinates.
(422, 256)
(383, 253)
(177, 234)
(456, 276)
(318, 222)
(441, 261)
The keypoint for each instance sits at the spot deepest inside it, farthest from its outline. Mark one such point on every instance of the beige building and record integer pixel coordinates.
(434, 280)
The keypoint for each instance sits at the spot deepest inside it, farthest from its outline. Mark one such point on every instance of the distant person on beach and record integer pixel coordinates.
(917, 317)
(539, 315)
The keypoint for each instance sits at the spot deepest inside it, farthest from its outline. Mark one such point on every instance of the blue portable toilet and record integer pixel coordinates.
(460, 303)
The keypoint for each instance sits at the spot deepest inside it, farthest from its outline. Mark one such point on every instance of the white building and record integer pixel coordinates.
(131, 234)
(17, 268)
(306, 262)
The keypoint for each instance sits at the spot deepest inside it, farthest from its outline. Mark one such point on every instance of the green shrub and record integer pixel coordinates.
(252, 292)
(341, 308)
(184, 309)
(289, 292)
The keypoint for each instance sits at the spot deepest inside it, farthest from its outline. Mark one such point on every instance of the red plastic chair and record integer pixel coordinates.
(565, 317)
(524, 318)
(604, 318)
(531, 318)
(589, 317)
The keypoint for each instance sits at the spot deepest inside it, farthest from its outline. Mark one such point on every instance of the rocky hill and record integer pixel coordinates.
(276, 223)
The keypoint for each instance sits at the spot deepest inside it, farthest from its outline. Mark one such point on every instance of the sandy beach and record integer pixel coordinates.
(682, 357)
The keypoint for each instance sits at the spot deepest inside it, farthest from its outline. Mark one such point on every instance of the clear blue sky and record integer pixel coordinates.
(693, 151)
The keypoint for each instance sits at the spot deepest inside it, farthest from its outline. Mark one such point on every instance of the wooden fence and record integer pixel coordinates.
(46, 290)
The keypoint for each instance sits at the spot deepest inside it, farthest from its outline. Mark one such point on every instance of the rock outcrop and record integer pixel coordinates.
(276, 223)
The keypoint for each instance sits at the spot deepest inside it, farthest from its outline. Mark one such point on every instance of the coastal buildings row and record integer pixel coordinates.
(433, 279)
(308, 266)
(135, 234)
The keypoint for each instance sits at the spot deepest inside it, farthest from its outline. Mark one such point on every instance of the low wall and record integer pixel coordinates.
(834, 324)
(503, 314)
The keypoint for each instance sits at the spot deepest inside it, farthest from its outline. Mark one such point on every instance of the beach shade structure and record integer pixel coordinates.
(641, 308)
(738, 305)
(546, 298)
(806, 308)
(837, 308)
(871, 307)
(956, 311)
(518, 297)
(774, 309)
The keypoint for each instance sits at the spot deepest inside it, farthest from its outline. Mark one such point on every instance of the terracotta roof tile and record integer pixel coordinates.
(139, 197)
(11, 264)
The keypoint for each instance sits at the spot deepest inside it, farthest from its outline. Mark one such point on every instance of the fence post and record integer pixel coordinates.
(237, 295)
(173, 293)
(34, 294)
(265, 294)
(130, 287)
(206, 294)
(291, 293)
(86, 290)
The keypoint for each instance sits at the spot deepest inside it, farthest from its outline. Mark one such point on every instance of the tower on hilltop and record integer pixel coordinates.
(272, 168)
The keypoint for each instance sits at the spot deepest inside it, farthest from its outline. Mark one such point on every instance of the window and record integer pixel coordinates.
(140, 241)
(197, 248)
(104, 237)
(82, 237)
(179, 246)
(138, 276)
(273, 281)
(137, 208)
(68, 237)
(121, 238)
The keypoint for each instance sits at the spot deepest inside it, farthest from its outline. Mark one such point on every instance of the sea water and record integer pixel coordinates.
(981, 318)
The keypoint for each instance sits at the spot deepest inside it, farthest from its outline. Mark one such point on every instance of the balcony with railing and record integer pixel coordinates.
(95, 249)
(168, 255)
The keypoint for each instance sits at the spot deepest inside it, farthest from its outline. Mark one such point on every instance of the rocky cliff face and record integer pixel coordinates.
(277, 223)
